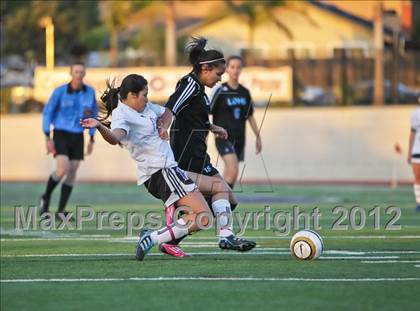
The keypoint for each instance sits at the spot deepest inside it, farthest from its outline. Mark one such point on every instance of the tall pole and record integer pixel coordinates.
(47, 23)
(378, 33)
(170, 34)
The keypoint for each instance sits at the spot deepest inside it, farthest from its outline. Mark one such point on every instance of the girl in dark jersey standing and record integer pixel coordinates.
(191, 106)
(231, 106)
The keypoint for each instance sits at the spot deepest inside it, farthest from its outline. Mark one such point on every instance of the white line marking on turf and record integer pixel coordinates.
(343, 252)
(417, 266)
(212, 279)
(195, 254)
(65, 255)
(358, 257)
(391, 261)
(105, 237)
(129, 254)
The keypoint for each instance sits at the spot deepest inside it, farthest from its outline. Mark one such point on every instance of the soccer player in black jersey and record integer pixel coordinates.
(231, 106)
(191, 106)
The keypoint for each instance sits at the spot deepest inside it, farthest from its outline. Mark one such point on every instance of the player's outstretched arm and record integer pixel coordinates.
(165, 119)
(163, 124)
(254, 126)
(219, 131)
(113, 137)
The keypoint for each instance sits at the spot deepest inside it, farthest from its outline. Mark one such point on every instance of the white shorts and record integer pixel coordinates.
(415, 160)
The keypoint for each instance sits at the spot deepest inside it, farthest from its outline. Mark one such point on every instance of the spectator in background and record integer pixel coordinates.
(231, 106)
(414, 153)
(68, 104)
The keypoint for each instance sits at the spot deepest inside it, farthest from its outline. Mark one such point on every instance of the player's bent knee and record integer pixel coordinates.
(220, 187)
(61, 172)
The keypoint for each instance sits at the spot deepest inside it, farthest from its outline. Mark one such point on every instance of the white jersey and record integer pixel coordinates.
(150, 152)
(415, 126)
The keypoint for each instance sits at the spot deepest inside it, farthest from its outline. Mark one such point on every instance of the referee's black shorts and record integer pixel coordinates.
(69, 144)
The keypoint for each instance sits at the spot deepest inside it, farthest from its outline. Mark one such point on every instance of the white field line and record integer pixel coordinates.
(195, 254)
(107, 237)
(343, 252)
(391, 261)
(96, 237)
(132, 254)
(417, 266)
(358, 257)
(231, 279)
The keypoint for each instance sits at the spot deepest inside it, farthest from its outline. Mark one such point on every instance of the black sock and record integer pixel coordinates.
(177, 241)
(51, 184)
(233, 206)
(231, 185)
(64, 197)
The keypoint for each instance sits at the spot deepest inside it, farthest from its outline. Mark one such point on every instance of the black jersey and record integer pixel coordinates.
(231, 108)
(189, 131)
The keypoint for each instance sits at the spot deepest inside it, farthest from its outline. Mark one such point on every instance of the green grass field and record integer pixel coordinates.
(90, 269)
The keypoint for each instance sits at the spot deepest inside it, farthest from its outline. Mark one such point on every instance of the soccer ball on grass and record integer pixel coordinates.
(306, 245)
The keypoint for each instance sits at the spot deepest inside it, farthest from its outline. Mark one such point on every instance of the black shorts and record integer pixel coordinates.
(170, 185)
(228, 146)
(69, 144)
(201, 166)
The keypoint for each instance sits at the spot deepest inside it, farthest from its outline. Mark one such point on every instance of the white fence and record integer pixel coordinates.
(309, 144)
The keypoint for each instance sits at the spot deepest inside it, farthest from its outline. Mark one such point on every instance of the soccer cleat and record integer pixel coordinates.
(237, 244)
(172, 250)
(43, 205)
(144, 245)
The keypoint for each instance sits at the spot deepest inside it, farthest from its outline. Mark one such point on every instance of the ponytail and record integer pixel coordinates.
(198, 55)
(110, 99)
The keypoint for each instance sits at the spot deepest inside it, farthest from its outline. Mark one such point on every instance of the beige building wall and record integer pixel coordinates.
(317, 35)
(308, 144)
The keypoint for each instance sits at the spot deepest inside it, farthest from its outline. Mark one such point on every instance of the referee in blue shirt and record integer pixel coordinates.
(67, 105)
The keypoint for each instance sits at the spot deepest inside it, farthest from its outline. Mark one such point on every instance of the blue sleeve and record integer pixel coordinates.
(94, 114)
(49, 111)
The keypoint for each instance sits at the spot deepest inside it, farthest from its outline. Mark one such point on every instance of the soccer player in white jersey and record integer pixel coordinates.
(414, 153)
(134, 126)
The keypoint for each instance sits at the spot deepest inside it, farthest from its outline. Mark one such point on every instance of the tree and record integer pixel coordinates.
(115, 15)
(22, 34)
(254, 11)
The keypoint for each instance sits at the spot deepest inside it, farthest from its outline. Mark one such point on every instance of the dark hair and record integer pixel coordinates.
(199, 56)
(233, 57)
(132, 83)
(77, 64)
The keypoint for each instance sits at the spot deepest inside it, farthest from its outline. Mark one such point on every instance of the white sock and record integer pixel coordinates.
(169, 233)
(417, 193)
(221, 209)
